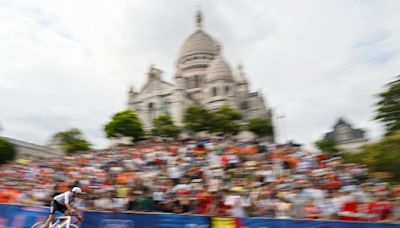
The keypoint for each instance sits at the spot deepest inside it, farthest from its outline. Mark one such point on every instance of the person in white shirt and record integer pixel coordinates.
(62, 203)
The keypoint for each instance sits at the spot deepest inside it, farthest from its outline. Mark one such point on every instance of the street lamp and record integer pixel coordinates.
(283, 128)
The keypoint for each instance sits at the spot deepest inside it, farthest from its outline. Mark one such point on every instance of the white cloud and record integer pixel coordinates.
(69, 63)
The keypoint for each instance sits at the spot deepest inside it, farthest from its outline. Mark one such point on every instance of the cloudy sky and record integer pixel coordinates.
(69, 63)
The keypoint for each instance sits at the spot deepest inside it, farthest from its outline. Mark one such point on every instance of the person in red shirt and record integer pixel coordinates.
(332, 182)
(203, 201)
(311, 210)
(380, 208)
(349, 210)
(218, 206)
(224, 160)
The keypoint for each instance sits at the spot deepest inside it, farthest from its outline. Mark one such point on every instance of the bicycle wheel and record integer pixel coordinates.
(38, 225)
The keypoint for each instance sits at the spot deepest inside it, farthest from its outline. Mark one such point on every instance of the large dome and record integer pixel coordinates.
(219, 70)
(198, 42)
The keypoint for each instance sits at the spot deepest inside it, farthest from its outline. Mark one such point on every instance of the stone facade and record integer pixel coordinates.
(347, 137)
(202, 77)
(27, 150)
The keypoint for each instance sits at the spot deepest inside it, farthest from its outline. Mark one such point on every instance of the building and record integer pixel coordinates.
(26, 150)
(202, 77)
(347, 137)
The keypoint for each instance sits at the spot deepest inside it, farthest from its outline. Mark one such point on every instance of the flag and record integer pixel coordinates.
(226, 223)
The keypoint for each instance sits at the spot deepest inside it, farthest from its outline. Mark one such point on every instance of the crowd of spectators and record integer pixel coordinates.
(217, 177)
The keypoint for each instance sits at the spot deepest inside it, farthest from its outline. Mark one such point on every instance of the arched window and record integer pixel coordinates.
(214, 91)
(343, 133)
(192, 83)
(244, 105)
(165, 108)
(152, 111)
(226, 90)
(196, 81)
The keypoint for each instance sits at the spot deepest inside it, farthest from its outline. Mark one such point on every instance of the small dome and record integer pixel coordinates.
(219, 70)
(240, 76)
(198, 42)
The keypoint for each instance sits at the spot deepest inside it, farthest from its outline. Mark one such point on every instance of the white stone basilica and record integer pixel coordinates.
(202, 77)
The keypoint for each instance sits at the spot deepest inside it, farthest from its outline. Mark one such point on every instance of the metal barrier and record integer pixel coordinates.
(19, 216)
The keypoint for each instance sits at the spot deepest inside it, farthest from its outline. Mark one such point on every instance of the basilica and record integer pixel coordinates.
(202, 77)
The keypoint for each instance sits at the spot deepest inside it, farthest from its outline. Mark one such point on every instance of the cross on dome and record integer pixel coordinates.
(199, 18)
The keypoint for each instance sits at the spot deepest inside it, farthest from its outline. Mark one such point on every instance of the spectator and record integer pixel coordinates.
(222, 178)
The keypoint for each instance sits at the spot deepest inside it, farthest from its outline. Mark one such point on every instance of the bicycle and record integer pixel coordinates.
(60, 222)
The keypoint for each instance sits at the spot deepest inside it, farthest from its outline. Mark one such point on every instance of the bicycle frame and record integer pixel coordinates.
(63, 221)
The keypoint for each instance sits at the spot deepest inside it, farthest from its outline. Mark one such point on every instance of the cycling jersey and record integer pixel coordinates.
(64, 198)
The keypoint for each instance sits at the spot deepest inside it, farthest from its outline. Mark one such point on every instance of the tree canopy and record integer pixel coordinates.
(197, 118)
(225, 120)
(72, 140)
(164, 127)
(260, 126)
(124, 124)
(388, 107)
(7, 151)
(382, 156)
(328, 146)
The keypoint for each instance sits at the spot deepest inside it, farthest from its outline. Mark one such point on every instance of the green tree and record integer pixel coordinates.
(383, 156)
(7, 151)
(197, 118)
(125, 123)
(327, 146)
(260, 126)
(388, 107)
(72, 140)
(164, 127)
(225, 120)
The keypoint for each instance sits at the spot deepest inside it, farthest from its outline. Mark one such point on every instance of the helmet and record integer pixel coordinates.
(77, 190)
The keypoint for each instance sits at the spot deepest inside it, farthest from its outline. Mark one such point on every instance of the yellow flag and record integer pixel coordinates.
(224, 223)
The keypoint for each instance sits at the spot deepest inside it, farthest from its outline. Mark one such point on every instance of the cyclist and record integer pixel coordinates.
(62, 203)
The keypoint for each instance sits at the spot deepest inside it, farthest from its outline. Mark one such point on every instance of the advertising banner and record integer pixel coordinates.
(183, 221)
(15, 216)
(281, 223)
(21, 216)
(118, 220)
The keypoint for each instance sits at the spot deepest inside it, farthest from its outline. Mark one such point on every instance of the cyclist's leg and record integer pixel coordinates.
(63, 209)
(51, 216)
(49, 220)
(66, 213)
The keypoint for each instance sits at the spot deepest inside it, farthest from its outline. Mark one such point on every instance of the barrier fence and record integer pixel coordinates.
(16, 216)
